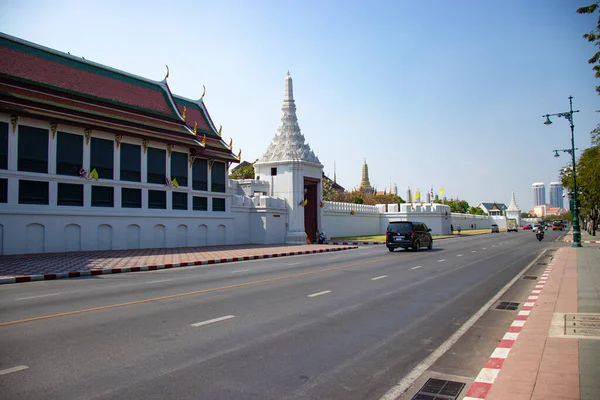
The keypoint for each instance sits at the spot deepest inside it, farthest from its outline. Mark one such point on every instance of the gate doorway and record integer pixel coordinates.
(311, 209)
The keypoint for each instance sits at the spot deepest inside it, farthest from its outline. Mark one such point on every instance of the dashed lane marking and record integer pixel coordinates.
(473, 251)
(459, 255)
(417, 267)
(379, 277)
(442, 260)
(37, 297)
(161, 280)
(239, 270)
(212, 321)
(319, 293)
(13, 369)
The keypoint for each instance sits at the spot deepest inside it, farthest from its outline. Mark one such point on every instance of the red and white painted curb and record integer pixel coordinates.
(355, 243)
(488, 374)
(584, 241)
(108, 271)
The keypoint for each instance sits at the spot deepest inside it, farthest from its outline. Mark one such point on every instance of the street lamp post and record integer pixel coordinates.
(569, 116)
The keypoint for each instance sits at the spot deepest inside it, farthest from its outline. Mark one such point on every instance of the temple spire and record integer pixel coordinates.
(365, 185)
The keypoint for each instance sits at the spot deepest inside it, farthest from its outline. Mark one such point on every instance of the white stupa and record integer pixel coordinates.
(513, 211)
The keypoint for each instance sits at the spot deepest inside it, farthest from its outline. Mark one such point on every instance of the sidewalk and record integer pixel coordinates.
(542, 355)
(48, 266)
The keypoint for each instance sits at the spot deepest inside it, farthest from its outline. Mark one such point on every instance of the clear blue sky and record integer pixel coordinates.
(442, 93)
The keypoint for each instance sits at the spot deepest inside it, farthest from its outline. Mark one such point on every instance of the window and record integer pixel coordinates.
(102, 157)
(180, 201)
(217, 176)
(33, 192)
(3, 190)
(131, 198)
(157, 199)
(103, 196)
(179, 167)
(131, 162)
(218, 204)
(33, 150)
(273, 171)
(70, 194)
(69, 154)
(199, 175)
(200, 203)
(156, 166)
(3, 145)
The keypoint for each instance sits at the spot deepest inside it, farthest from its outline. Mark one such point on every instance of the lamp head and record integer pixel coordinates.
(548, 122)
(556, 154)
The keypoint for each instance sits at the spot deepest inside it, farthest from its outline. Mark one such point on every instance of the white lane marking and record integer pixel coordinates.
(473, 251)
(13, 369)
(379, 277)
(295, 263)
(485, 248)
(417, 267)
(161, 280)
(405, 383)
(459, 255)
(333, 258)
(37, 297)
(239, 270)
(443, 259)
(212, 321)
(319, 294)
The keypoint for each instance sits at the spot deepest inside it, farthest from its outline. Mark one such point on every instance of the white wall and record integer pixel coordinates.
(479, 221)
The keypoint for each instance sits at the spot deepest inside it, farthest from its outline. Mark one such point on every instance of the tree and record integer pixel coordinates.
(243, 172)
(476, 211)
(593, 37)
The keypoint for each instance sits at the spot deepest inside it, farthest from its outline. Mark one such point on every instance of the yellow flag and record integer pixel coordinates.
(175, 183)
(441, 191)
(94, 174)
(418, 195)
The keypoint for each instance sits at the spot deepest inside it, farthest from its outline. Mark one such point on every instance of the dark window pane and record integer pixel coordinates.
(103, 196)
(157, 199)
(69, 154)
(33, 192)
(200, 203)
(102, 154)
(33, 149)
(3, 190)
(3, 145)
(273, 171)
(200, 174)
(131, 162)
(217, 177)
(70, 194)
(179, 167)
(131, 198)
(156, 166)
(218, 204)
(180, 201)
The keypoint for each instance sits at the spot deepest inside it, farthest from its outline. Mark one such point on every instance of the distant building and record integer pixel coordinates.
(539, 193)
(556, 195)
(496, 209)
(365, 185)
(544, 210)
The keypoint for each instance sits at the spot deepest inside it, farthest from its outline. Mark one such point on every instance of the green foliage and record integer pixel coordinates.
(458, 206)
(243, 172)
(593, 37)
(476, 211)
(359, 197)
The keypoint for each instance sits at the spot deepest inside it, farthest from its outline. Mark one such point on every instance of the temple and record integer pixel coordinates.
(365, 185)
(93, 158)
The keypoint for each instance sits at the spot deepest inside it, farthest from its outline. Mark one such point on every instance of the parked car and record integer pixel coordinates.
(526, 227)
(495, 228)
(408, 234)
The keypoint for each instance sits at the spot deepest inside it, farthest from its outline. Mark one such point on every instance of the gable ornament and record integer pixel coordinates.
(13, 120)
(87, 132)
(53, 127)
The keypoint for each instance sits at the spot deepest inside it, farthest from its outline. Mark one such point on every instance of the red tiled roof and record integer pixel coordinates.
(68, 74)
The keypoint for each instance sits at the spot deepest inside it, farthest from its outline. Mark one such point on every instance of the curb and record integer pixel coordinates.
(355, 243)
(109, 271)
(584, 241)
(488, 374)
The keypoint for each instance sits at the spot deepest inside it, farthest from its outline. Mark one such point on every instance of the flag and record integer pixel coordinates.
(418, 195)
(94, 174)
(175, 183)
(441, 191)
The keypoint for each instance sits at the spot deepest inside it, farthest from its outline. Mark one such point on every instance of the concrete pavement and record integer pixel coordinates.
(542, 355)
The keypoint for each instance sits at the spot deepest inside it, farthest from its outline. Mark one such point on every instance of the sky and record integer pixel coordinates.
(438, 94)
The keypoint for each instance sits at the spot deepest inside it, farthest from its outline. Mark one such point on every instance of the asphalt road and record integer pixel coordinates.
(344, 325)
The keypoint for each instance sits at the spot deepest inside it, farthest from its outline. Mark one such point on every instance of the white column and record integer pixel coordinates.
(296, 233)
(117, 175)
(168, 174)
(87, 187)
(13, 154)
(52, 153)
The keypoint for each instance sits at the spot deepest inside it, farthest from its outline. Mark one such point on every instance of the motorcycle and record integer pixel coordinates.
(539, 235)
(320, 239)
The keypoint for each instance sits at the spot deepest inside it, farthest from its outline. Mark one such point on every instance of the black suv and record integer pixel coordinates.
(407, 234)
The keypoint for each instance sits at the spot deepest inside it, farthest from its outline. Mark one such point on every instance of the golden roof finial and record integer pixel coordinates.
(239, 156)
(230, 143)
(204, 141)
(220, 129)
(166, 76)
(184, 112)
(203, 91)
(195, 127)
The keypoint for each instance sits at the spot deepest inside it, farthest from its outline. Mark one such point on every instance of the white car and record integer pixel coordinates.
(537, 227)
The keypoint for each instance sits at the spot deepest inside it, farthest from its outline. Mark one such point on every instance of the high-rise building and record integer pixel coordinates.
(539, 193)
(556, 192)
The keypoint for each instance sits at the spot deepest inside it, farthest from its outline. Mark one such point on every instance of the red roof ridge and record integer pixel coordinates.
(200, 104)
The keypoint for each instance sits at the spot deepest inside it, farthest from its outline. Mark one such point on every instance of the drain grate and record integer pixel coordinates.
(530, 277)
(439, 389)
(507, 305)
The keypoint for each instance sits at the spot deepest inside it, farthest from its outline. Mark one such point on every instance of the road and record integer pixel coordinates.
(344, 325)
